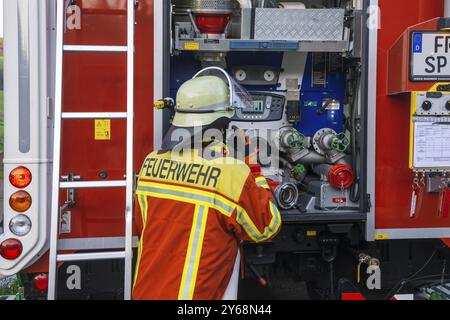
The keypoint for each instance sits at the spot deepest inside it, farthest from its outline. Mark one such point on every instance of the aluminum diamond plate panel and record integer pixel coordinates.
(299, 24)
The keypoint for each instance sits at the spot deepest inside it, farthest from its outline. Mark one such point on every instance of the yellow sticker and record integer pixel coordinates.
(192, 46)
(311, 233)
(102, 130)
(380, 236)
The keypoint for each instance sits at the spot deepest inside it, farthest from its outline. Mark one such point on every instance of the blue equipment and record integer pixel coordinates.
(322, 94)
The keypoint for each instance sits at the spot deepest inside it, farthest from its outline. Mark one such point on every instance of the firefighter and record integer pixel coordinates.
(194, 210)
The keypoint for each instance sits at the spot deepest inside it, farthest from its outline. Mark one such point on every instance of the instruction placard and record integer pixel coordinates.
(102, 130)
(431, 145)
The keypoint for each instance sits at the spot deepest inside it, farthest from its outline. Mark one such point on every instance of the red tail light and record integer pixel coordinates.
(11, 249)
(40, 282)
(20, 177)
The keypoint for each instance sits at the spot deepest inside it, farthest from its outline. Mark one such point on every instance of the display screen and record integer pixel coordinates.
(258, 107)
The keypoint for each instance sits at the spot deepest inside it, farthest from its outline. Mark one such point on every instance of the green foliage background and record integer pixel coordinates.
(9, 286)
(1, 117)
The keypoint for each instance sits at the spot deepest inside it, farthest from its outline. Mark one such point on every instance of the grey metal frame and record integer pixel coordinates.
(371, 116)
(159, 66)
(224, 45)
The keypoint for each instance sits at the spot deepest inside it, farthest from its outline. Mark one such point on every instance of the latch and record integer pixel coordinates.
(70, 200)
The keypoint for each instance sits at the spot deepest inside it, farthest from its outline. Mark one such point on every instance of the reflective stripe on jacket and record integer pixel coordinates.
(192, 214)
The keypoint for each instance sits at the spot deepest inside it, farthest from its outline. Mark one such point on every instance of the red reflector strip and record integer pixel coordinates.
(353, 297)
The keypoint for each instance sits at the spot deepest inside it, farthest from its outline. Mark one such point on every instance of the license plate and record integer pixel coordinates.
(430, 56)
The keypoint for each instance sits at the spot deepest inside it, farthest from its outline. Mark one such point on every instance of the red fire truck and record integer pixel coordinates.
(358, 92)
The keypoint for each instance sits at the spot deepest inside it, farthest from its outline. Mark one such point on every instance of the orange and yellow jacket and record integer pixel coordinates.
(193, 214)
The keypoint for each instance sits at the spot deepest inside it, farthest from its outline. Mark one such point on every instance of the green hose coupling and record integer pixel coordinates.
(340, 142)
(299, 169)
(295, 140)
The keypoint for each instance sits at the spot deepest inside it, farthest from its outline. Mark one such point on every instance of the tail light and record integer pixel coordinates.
(11, 249)
(40, 282)
(20, 225)
(20, 201)
(20, 177)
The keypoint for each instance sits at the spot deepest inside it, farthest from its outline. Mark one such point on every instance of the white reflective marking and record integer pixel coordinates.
(74, 280)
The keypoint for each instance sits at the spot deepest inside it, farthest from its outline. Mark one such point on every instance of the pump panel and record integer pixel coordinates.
(307, 93)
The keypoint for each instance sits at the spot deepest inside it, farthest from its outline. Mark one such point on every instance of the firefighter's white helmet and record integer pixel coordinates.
(209, 100)
(202, 101)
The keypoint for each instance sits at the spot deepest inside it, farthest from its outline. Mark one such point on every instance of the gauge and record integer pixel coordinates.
(240, 75)
(269, 76)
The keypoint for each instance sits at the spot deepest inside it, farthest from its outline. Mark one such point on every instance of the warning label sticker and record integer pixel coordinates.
(193, 46)
(102, 130)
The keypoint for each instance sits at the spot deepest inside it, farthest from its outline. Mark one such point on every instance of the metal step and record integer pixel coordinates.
(96, 49)
(93, 184)
(97, 244)
(90, 256)
(93, 115)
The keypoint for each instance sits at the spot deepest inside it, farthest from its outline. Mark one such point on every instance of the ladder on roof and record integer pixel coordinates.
(57, 184)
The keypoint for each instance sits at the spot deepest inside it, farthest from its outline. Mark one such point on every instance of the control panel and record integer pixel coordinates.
(265, 107)
(430, 130)
(433, 104)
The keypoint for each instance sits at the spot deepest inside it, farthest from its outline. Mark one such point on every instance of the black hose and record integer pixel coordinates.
(332, 295)
(355, 192)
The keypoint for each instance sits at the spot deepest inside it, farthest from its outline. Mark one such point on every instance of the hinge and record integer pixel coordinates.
(369, 202)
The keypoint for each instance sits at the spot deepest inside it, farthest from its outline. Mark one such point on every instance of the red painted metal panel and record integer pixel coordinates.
(97, 83)
(393, 177)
